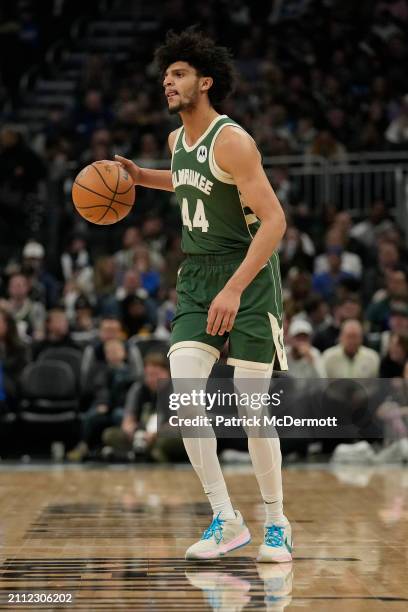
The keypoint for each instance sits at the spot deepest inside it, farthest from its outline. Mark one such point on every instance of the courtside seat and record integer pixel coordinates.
(71, 356)
(49, 393)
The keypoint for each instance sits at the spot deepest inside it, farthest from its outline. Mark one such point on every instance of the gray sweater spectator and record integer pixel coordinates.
(350, 359)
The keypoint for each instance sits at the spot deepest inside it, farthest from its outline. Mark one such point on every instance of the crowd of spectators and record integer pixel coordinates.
(328, 84)
(339, 321)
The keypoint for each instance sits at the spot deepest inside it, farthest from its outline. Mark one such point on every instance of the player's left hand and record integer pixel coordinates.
(222, 312)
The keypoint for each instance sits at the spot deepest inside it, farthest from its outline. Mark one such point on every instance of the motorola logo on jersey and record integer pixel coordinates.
(202, 154)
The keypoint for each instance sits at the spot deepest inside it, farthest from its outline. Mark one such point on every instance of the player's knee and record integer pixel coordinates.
(251, 373)
(191, 362)
(253, 383)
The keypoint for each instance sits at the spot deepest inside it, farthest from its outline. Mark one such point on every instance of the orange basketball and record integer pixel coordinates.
(103, 193)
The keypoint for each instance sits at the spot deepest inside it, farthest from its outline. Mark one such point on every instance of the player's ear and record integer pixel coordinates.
(206, 83)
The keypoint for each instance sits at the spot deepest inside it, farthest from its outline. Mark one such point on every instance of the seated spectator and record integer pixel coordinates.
(13, 358)
(131, 285)
(110, 328)
(393, 412)
(76, 260)
(298, 290)
(335, 243)
(327, 282)
(124, 258)
(317, 312)
(21, 168)
(305, 133)
(149, 276)
(392, 364)
(83, 329)
(328, 334)
(108, 391)
(174, 259)
(136, 316)
(28, 314)
(138, 430)
(388, 258)
(397, 131)
(100, 147)
(398, 324)
(350, 359)
(153, 232)
(326, 145)
(304, 360)
(368, 230)
(105, 285)
(92, 114)
(44, 287)
(165, 315)
(296, 250)
(57, 333)
(395, 292)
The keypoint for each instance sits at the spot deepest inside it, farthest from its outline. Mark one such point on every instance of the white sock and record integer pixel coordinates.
(274, 513)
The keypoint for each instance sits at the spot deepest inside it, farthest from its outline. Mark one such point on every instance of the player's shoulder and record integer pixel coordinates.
(234, 142)
(234, 133)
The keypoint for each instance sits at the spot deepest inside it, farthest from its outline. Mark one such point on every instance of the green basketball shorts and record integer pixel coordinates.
(257, 335)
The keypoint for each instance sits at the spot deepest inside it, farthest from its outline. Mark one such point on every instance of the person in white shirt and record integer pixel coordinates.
(350, 262)
(349, 358)
(304, 360)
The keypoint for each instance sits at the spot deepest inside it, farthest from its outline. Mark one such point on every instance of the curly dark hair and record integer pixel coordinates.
(204, 55)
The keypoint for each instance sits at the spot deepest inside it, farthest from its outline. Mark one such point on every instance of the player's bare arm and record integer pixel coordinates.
(236, 153)
(147, 177)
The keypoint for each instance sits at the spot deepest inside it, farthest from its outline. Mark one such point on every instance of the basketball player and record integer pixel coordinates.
(229, 284)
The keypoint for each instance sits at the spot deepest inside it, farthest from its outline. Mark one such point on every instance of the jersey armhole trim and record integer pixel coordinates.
(220, 175)
(176, 141)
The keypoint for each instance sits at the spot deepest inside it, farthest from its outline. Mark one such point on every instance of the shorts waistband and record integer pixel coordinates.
(217, 259)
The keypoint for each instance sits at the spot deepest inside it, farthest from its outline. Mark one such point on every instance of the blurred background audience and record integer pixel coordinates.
(329, 81)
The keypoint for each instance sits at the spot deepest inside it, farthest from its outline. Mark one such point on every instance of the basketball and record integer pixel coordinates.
(103, 193)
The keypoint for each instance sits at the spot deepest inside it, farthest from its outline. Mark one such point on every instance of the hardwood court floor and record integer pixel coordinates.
(116, 537)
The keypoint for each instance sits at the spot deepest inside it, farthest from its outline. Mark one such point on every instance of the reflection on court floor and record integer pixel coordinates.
(115, 539)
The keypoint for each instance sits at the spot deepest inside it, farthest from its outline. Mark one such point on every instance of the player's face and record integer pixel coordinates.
(181, 87)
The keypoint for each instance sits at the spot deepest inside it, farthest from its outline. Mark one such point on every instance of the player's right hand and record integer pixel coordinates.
(130, 166)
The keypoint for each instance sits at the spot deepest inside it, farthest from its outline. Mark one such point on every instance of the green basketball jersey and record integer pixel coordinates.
(216, 222)
(215, 219)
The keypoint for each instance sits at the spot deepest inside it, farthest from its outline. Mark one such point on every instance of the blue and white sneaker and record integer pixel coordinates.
(277, 545)
(222, 536)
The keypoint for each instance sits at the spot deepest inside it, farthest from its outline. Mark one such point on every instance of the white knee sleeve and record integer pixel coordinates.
(264, 376)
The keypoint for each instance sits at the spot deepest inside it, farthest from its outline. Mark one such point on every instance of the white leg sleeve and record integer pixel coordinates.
(265, 452)
(195, 363)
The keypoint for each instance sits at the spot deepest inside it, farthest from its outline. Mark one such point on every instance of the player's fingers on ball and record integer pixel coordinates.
(122, 160)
